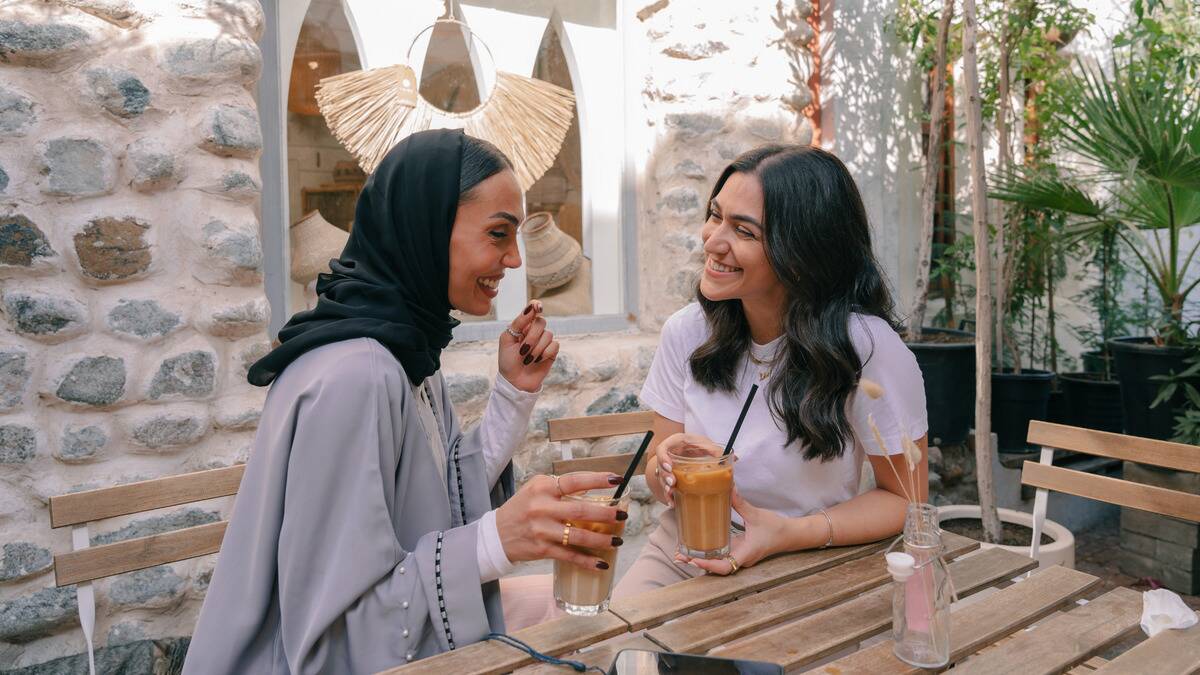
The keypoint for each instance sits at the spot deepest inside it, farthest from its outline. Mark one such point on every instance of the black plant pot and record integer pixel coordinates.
(1018, 398)
(1093, 362)
(1056, 405)
(948, 369)
(1138, 360)
(1093, 402)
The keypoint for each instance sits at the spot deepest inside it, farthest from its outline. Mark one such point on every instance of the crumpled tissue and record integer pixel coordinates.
(1162, 609)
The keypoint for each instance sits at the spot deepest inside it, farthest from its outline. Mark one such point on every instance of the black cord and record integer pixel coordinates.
(511, 641)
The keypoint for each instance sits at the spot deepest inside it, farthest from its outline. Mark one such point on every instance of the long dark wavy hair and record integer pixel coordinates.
(818, 242)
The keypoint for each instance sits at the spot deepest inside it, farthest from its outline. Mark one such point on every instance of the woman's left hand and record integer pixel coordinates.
(526, 361)
(764, 531)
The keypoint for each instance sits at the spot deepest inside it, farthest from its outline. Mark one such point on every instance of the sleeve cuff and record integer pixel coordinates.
(456, 605)
(659, 405)
(493, 563)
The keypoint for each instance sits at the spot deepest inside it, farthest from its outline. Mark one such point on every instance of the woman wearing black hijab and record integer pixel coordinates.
(366, 516)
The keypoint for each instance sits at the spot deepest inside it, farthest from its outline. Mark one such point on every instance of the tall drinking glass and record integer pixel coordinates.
(586, 592)
(703, 509)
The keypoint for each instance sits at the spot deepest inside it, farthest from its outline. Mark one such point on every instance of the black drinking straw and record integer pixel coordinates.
(637, 457)
(741, 418)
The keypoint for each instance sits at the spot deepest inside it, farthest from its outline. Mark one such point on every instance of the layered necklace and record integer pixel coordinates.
(764, 366)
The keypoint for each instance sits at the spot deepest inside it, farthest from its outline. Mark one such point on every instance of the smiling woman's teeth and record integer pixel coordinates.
(718, 267)
(489, 283)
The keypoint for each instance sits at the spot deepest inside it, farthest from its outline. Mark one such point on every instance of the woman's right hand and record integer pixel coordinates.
(663, 484)
(531, 524)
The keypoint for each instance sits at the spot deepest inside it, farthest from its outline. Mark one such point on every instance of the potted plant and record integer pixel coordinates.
(1138, 130)
(945, 356)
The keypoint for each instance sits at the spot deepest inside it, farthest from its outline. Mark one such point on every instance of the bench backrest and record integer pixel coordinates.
(598, 426)
(96, 562)
(1178, 456)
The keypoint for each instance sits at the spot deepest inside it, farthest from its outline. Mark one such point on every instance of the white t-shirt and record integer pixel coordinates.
(770, 474)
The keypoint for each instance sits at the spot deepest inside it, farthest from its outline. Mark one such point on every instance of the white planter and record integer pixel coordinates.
(1061, 551)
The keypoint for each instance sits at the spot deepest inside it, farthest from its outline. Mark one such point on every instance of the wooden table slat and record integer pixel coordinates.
(601, 655)
(977, 625)
(1171, 652)
(554, 637)
(1063, 640)
(829, 631)
(700, 631)
(663, 604)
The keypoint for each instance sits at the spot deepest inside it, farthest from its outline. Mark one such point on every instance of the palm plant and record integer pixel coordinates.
(1137, 132)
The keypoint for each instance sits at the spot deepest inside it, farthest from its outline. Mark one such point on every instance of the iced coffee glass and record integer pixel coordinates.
(586, 592)
(703, 486)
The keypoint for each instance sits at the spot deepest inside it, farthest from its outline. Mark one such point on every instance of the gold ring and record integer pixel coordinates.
(733, 563)
(566, 533)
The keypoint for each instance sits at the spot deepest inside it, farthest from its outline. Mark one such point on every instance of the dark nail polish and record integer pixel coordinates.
(601, 565)
(538, 360)
(527, 308)
(525, 349)
(614, 480)
(617, 541)
(622, 515)
(528, 360)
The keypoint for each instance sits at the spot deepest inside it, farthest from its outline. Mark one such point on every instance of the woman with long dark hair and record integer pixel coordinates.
(792, 299)
(369, 529)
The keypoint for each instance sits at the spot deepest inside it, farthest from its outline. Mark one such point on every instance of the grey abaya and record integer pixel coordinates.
(347, 551)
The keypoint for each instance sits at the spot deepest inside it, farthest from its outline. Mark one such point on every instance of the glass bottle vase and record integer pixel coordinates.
(921, 596)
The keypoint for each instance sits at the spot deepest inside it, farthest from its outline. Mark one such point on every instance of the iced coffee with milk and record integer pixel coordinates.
(703, 495)
(586, 592)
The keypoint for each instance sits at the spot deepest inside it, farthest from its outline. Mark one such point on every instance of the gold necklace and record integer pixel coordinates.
(762, 374)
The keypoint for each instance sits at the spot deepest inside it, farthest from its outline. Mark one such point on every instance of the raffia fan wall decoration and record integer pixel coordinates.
(369, 111)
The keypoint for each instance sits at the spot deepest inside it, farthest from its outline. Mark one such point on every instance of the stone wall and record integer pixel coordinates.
(131, 296)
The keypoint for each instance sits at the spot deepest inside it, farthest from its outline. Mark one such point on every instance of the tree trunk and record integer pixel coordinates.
(983, 284)
(933, 168)
(1003, 224)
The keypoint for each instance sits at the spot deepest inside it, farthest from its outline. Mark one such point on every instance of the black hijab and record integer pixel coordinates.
(391, 282)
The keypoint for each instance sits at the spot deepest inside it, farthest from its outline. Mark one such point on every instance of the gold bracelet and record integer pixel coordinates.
(829, 522)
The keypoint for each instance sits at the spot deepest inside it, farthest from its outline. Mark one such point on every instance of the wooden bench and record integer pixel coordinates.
(570, 429)
(86, 563)
(1044, 476)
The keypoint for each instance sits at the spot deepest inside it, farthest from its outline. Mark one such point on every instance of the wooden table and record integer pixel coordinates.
(801, 609)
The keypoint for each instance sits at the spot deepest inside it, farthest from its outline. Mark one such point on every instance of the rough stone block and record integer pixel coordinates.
(125, 633)
(614, 401)
(14, 376)
(1136, 565)
(153, 587)
(243, 16)
(120, 92)
(681, 200)
(1183, 558)
(238, 413)
(192, 374)
(93, 380)
(239, 184)
(766, 129)
(604, 370)
(199, 63)
(1139, 544)
(17, 112)
(564, 371)
(77, 167)
(1180, 581)
(113, 249)
(1182, 481)
(3, 179)
(689, 169)
(170, 430)
(154, 166)
(25, 42)
(466, 387)
(82, 443)
(253, 352)
(240, 320)
(22, 242)
(177, 520)
(543, 412)
(27, 617)
(1161, 527)
(39, 315)
(689, 126)
(22, 559)
(232, 131)
(18, 443)
(136, 658)
(235, 252)
(143, 318)
(645, 357)
(120, 12)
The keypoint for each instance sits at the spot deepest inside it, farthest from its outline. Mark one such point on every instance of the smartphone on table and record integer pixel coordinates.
(646, 662)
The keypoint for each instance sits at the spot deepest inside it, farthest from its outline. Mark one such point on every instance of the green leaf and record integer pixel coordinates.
(1164, 394)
